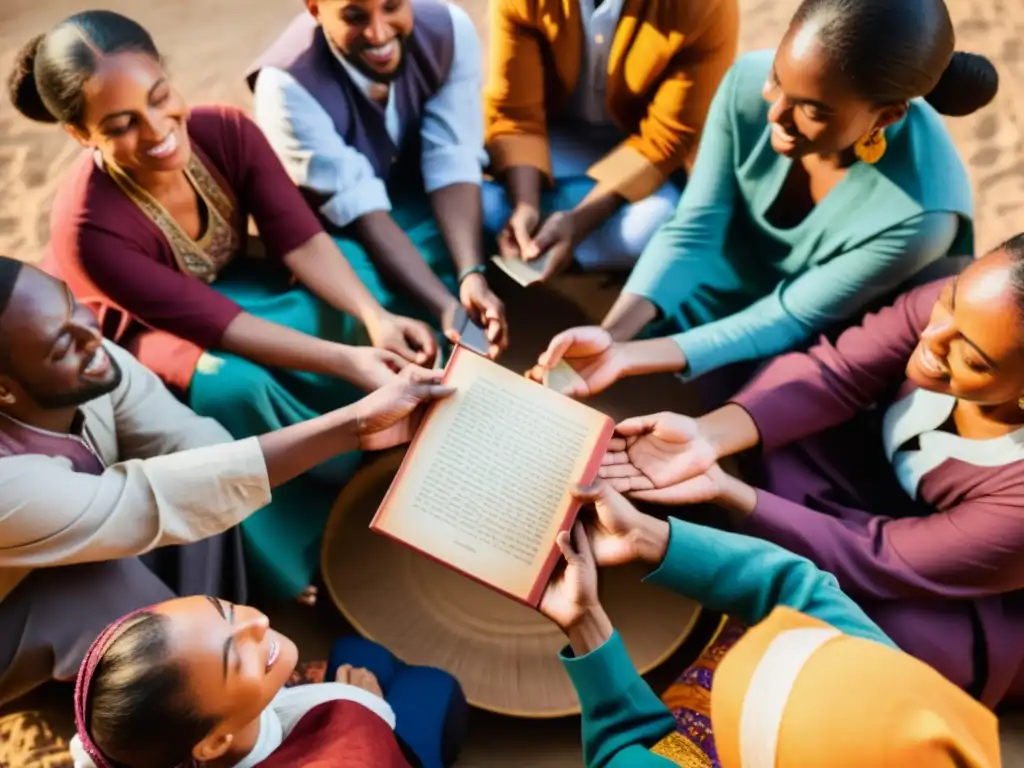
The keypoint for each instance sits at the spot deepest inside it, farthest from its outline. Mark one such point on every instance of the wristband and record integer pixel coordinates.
(477, 269)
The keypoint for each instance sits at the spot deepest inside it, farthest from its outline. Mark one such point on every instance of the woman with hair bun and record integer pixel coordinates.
(149, 230)
(824, 181)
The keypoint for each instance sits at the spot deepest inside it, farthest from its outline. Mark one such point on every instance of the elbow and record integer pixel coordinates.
(446, 165)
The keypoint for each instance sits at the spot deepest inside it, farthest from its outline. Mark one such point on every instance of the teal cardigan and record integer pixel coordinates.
(741, 288)
(744, 577)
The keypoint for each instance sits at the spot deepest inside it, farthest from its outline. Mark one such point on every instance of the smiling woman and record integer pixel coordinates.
(199, 681)
(891, 458)
(150, 231)
(824, 181)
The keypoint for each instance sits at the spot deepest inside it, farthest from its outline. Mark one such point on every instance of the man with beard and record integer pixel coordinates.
(374, 108)
(100, 465)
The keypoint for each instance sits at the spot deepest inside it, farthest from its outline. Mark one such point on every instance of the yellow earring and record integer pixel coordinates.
(1020, 403)
(870, 148)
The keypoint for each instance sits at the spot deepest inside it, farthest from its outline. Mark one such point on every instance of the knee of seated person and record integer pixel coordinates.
(495, 207)
(644, 218)
(231, 385)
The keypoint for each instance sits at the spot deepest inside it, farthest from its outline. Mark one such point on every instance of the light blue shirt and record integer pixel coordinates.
(317, 158)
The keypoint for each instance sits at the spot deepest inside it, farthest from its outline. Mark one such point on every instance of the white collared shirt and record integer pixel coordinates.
(599, 27)
(317, 158)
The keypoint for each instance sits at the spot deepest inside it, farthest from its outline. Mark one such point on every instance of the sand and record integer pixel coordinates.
(208, 44)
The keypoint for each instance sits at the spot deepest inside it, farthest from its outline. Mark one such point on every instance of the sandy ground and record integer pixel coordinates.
(208, 44)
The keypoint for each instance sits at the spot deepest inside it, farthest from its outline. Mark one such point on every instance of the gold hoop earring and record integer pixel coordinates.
(1020, 403)
(871, 147)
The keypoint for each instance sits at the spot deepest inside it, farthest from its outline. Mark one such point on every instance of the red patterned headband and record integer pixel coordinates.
(85, 673)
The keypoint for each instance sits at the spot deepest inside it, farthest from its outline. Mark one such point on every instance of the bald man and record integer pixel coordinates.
(101, 467)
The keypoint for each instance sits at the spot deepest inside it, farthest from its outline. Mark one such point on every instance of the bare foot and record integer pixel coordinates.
(308, 596)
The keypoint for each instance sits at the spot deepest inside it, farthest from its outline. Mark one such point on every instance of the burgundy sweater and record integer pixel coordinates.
(118, 262)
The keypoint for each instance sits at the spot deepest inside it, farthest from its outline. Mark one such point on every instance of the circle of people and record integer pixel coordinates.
(180, 401)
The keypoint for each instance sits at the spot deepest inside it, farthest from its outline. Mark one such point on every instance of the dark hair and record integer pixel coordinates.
(46, 84)
(139, 712)
(897, 50)
(10, 269)
(1014, 248)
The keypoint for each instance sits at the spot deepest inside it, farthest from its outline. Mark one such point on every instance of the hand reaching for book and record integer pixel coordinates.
(618, 532)
(572, 591)
(391, 415)
(590, 350)
(652, 453)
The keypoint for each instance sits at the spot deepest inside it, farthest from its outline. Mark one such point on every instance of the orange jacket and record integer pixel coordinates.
(666, 61)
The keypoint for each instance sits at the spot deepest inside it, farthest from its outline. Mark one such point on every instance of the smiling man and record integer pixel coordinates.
(114, 495)
(374, 107)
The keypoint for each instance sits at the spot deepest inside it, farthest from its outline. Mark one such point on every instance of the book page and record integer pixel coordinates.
(485, 486)
(526, 273)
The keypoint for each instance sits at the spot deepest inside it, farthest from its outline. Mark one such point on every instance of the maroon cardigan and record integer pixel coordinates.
(940, 572)
(117, 262)
(338, 734)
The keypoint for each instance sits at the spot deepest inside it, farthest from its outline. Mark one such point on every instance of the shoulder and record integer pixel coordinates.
(520, 11)
(923, 162)
(743, 86)
(211, 125)
(91, 215)
(916, 305)
(463, 27)
(434, 18)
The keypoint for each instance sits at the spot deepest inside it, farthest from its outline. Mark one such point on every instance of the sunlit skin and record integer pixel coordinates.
(972, 348)
(813, 109)
(55, 357)
(135, 117)
(235, 664)
(370, 34)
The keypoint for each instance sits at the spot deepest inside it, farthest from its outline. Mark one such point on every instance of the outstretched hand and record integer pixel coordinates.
(597, 360)
(391, 415)
(663, 458)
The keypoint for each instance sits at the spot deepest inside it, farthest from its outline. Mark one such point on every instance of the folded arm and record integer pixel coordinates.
(820, 298)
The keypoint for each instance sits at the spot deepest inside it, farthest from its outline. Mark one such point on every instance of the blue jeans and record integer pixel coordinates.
(616, 244)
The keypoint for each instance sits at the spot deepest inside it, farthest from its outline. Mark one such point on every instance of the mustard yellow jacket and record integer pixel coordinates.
(666, 61)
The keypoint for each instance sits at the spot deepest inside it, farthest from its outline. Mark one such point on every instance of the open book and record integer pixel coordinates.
(484, 487)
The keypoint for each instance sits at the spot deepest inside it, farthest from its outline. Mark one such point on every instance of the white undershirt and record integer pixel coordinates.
(921, 414)
(283, 714)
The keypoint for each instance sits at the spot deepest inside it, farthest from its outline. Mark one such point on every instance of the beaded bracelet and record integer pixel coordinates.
(477, 269)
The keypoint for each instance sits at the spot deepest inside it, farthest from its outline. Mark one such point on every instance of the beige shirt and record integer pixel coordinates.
(172, 477)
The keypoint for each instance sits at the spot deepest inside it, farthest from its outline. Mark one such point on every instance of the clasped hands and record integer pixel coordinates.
(525, 237)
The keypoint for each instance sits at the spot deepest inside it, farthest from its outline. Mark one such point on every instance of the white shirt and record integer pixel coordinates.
(921, 414)
(572, 154)
(599, 27)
